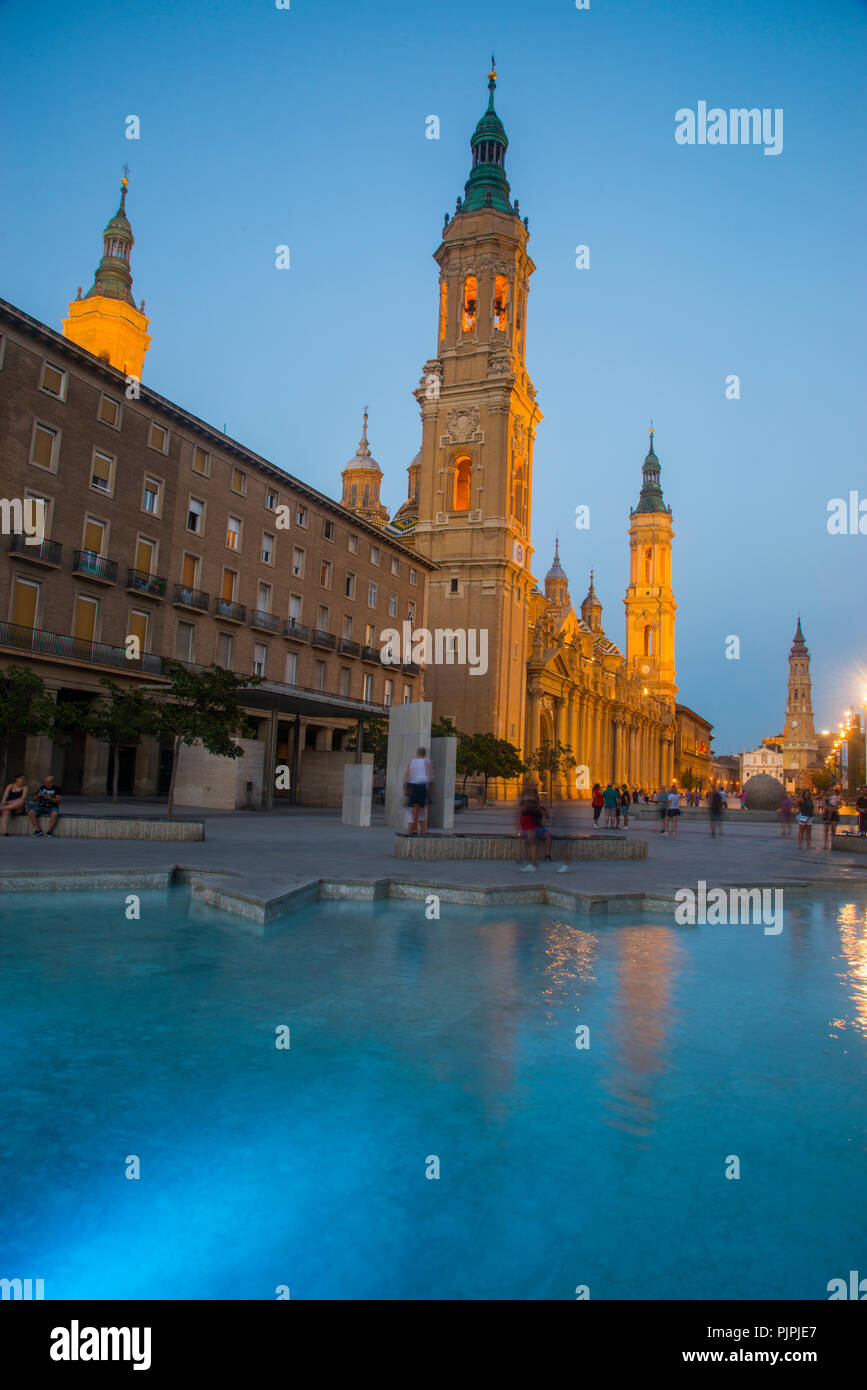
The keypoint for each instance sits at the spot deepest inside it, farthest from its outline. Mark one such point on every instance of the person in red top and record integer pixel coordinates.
(596, 802)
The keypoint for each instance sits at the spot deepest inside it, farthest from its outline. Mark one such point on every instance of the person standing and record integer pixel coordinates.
(13, 802)
(715, 806)
(672, 809)
(596, 801)
(785, 814)
(805, 820)
(625, 803)
(611, 802)
(531, 817)
(831, 817)
(861, 808)
(418, 781)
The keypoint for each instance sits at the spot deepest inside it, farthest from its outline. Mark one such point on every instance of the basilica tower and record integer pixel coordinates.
(479, 418)
(106, 321)
(650, 605)
(800, 748)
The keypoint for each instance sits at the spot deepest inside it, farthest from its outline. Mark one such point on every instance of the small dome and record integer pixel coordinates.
(556, 571)
(363, 457)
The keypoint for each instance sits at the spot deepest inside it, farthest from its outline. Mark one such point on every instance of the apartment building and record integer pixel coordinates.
(165, 538)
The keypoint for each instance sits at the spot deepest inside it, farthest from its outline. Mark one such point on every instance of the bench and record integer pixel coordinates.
(113, 828)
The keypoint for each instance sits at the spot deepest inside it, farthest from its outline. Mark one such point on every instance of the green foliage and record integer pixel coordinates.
(687, 779)
(550, 758)
(374, 739)
(202, 707)
(822, 780)
(121, 718)
(24, 709)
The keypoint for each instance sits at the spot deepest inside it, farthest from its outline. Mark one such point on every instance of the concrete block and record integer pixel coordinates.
(408, 730)
(357, 793)
(443, 753)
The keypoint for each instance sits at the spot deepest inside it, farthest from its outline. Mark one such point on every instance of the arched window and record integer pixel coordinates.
(501, 300)
(443, 294)
(353, 495)
(366, 502)
(648, 640)
(470, 303)
(463, 468)
(648, 564)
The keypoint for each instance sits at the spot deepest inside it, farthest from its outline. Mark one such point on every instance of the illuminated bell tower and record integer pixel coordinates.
(106, 321)
(650, 605)
(800, 748)
(362, 479)
(479, 419)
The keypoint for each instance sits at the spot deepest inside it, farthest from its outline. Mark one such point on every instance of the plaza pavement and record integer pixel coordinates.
(270, 853)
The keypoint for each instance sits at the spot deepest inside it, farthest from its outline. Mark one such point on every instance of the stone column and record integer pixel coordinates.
(533, 697)
(147, 762)
(95, 768)
(618, 750)
(559, 737)
(408, 730)
(357, 793)
(443, 755)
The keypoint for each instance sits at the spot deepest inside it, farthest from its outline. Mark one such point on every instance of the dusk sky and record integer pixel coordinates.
(306, 127)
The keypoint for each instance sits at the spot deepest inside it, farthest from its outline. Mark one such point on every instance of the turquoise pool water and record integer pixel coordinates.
(305, 1167)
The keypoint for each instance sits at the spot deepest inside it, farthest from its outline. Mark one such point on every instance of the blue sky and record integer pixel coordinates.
(307, 127)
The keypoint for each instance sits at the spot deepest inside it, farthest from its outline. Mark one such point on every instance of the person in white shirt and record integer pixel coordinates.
(672, 811)
(418, 780)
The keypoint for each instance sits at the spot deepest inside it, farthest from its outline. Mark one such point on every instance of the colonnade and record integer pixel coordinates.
(613, 742)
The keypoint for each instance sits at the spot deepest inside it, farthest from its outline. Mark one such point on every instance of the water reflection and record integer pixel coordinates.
(853, 943)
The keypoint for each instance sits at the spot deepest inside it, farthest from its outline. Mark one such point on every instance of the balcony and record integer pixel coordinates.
(43, 553)
(140, 582)
(371, 654)
(232, 612)
(345, 644)
(266, 622)
(88, 563)
(410, 668)
(191, 598)
(78, 649)
(296, 630)
(323, 639)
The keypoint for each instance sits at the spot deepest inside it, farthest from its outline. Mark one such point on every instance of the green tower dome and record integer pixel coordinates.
(113, 278)
(650, 498)
(487, 185)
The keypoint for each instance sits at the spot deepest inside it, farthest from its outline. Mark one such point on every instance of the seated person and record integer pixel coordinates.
(13, 802)
(46, 802)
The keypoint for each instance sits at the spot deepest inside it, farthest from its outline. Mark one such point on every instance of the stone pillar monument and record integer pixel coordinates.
(408, 730)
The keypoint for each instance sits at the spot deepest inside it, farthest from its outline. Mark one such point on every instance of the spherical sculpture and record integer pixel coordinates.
(763, 793)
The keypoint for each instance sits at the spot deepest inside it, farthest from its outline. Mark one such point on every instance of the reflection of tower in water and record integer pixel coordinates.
(853, 943)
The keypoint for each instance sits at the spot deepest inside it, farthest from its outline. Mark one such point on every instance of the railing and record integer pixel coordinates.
(94, 566)
(410, 668)
(266, 621)
(371, 654)
(143, 583)
(320, 638)
(296, 630)
(46, 551)
(345, 644)
(235, 612)
(191, 598)
(75, 649)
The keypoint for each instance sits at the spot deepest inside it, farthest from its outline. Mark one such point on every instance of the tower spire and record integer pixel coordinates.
(650, 498)
(487, 186)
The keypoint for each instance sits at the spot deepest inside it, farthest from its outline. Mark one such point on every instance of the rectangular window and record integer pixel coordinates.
(86, 610)
(227, 587)
(453, 586)
(301, 516)
(392, 605)
(371, 595)
(201, 460)
(109, 411)
(94, 535)
(347, 629)
(395, 565)
(298, 562)
(260, 659)
(291, 668)
(158, 438)
(48, 505)
(388, 697)
(322, 618)
(152, 498)
(145, 555)
(102, 472)
(407, 694)
(43, 447)
(137, 626)
(195, 516)
(374, 554)
(346, 680)
(320, 676)
(263, 598)
(53, 381)
(328, 530)
(368, 688)
(190, 571)
(325, 574)
(350, 585)
(185, 642)
(352, 544)
(267, 548)
(295, 608)
(413, 576)
(239, 482)
(25, 603)
(370, 635)
(233, 533)
(225, 650)
(271, 499)
(410, 612)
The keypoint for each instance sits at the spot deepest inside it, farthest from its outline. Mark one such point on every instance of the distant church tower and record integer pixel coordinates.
(106, 321)
(479, 418)
(800, 748)
(362, 479)
(650, 605)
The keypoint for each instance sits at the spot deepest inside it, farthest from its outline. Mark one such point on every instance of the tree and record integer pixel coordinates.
(549, 758)
(123, 717)
(24, 709)
(822, 780)
(202, 707)
(687, 779)
(496, 757)
(374, 739)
